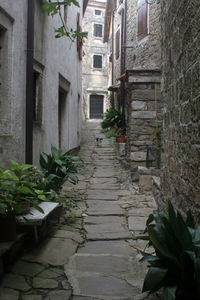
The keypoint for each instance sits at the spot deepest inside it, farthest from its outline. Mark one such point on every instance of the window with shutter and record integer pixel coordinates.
(142, 19)
(97, 61)
(98, 30)
(117, 36)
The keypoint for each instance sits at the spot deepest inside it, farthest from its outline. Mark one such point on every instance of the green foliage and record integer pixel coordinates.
(176, 263)
(111, 133)
(54, 8)
(58, 167)
(112, 118)
(16, 187)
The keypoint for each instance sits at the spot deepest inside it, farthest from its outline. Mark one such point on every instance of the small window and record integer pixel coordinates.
(97, 61)
(142, 19)
(97, 12)
(117, 35)
(98, 30)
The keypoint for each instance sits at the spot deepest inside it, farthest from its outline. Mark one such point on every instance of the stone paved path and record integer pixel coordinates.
(95, 257)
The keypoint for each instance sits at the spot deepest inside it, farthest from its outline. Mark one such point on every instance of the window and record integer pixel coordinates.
(117, 35)
(97, 12)
(142, 19)
(97, 61)
(98, 30)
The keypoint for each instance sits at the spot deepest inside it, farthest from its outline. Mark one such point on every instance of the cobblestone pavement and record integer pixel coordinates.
(96, 256)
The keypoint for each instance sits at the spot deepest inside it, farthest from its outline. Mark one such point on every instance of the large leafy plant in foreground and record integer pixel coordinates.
(176, 263)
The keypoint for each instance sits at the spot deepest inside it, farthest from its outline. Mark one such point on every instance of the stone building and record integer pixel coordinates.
(133, 29)
(40, 81)
(180, 180)
(95, 99)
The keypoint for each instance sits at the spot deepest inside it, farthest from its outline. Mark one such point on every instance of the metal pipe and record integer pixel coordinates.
(29, 83)
(113, 8)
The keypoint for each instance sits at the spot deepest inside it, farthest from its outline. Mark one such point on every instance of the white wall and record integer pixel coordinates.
(54, 57)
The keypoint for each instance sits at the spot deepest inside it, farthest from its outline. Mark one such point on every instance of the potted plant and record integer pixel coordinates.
(120, 136)
(17, 194)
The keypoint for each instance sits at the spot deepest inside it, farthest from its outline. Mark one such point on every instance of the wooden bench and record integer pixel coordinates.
(36, 218)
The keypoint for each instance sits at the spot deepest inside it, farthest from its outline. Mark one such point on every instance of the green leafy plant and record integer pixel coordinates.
(16, 189)
(175, 266)
(58, 167)
(54, 8)
(111, 133)
(112, 118)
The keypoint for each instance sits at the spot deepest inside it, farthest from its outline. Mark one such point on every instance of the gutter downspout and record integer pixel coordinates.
(29, 83)
(112, 100)
(122, 66)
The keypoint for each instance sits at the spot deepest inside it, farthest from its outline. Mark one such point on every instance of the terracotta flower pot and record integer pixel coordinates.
(7, 228)
(120, 138)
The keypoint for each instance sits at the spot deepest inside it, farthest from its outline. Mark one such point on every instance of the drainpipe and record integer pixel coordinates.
(29, 83)
(113, 13)
(122, 67)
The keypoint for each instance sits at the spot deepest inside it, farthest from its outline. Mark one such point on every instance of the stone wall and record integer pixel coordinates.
(144, 53)
(143, 109)
(181, 94)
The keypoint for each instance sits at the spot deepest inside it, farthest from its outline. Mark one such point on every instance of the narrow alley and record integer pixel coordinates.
(96, 256)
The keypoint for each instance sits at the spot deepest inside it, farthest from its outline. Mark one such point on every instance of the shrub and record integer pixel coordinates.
(112, 118)
(58, 167)
(176, 263)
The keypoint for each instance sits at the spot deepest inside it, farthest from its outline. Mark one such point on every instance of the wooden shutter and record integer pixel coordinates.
(142, 19)
(117, 36)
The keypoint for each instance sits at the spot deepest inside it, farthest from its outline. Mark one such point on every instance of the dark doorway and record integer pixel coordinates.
(96, 107)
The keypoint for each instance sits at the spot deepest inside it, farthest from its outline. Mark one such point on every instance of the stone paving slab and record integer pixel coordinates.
(105, 220)
(95, 236)
(32, 297)
(75, 236)
(58, 295)
(116, 247)
(104, 186)
(26, 268)
(136, 223)
(105, 173)
(8, 294)
(104, 287)
(104, 264)
(103, 207)
(140, 212)
(15, 281)
(103, 180)
(100, 195)
(55, 252)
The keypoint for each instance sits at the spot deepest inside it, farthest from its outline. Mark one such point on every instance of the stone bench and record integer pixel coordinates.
(36, 218)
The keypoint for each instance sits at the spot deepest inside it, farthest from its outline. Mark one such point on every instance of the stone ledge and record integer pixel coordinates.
(138, 156)
(143, 114)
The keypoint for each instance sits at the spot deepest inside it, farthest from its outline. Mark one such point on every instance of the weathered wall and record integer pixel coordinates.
(59, 57)
(13, 88)
(144, 53)
(53, 58)
(94, 80)
(181, 94)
